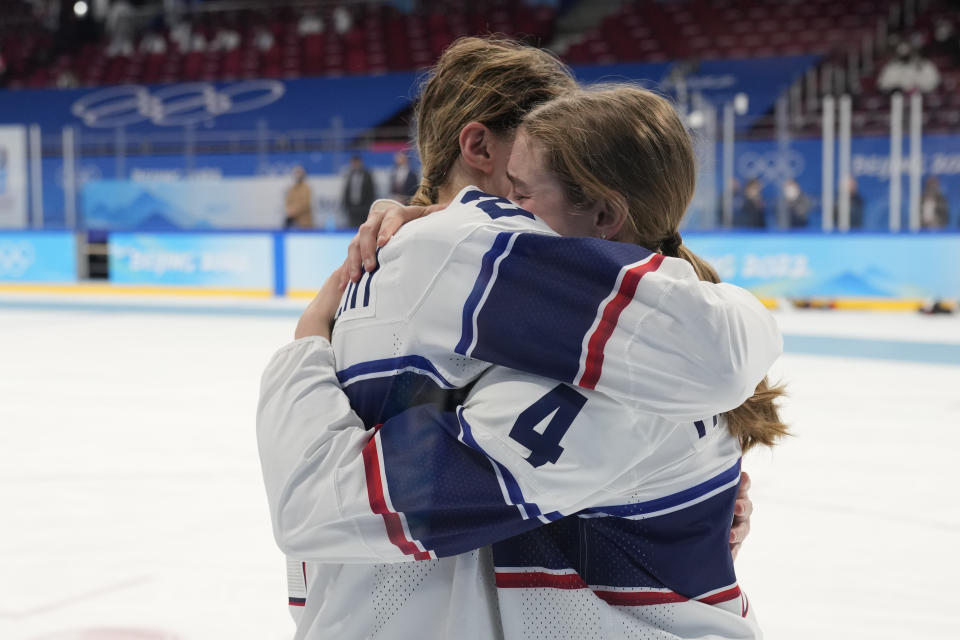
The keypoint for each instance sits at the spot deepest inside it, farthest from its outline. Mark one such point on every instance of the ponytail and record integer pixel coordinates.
(757, 420)
(426, 194)
(700, 266)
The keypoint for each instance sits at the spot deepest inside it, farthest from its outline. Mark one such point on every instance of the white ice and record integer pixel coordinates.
(133, 507)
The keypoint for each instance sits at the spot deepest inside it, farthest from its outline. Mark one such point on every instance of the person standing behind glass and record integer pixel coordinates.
(753, 212)
(933, 205)
(403, 180)
(797, 204)
(357, 192)
(856, 204)
(297, 205)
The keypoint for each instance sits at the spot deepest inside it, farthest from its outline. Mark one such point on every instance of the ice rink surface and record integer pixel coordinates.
(133, 507)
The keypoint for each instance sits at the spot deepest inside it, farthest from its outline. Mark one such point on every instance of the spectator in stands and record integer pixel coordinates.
(403, 180)
(153, 43)
(797, 204)
(172, 10)
(263, 39)
(188, 37)
(180, 35)
(908, 71)
(856, 204)
(119, 25)
(357, 192)
(753, 212)
(946, 40)
(48, 13)
(198, 41)
(736, 200)
(66, 80)
(342, 20)
(310, 23)
(227, 37)
(933, 205)
(119, 47)
(298, 205)
(119, 19)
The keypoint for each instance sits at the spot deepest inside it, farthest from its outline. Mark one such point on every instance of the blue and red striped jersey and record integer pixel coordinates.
(496, 387)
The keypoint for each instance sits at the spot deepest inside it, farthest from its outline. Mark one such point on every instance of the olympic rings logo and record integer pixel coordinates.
(16, 258)
(175, 106)
(769, 167)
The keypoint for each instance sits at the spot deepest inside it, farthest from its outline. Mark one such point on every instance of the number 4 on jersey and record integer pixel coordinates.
(561, 405)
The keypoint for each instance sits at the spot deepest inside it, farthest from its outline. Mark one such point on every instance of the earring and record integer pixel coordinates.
(603, 236)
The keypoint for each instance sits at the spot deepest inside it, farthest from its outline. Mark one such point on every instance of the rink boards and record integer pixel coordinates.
(852, 271)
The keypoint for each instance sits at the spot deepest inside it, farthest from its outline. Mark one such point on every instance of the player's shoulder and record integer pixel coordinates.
(473, 209)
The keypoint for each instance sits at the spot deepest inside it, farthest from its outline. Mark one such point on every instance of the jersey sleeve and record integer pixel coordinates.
(333, 488)
(429, 483)
(600, 315)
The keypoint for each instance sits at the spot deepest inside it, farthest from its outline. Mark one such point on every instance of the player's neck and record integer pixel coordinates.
(447, 192)
(461, 176)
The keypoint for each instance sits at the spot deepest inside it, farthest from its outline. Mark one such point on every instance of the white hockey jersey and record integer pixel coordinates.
(595, 465)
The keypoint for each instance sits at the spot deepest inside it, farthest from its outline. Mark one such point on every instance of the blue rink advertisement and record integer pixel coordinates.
(797, 265)
(27, 256)
(835, 266)
(239, 261)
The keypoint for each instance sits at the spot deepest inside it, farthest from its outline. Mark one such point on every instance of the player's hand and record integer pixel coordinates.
(384, 219)
(317, 319)
(742, 509)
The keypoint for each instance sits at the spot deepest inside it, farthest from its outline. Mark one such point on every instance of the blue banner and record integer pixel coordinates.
(205, 260)
(28, 256)
(304, 103)
(359, 102)
(835, 266)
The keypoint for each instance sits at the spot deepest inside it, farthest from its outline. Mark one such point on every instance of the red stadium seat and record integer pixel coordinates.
(356, 62)
(192, 65)
(313, 46)
(232, 63)
(40, 78)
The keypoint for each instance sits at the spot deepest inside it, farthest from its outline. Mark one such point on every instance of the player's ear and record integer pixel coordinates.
(476, 147)
(608, 221)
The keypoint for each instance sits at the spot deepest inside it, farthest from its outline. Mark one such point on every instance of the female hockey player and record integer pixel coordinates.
(614, 417)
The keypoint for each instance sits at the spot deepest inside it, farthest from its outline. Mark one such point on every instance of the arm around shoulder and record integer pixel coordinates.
(713, 343)
(748, 335)
(311, 445)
